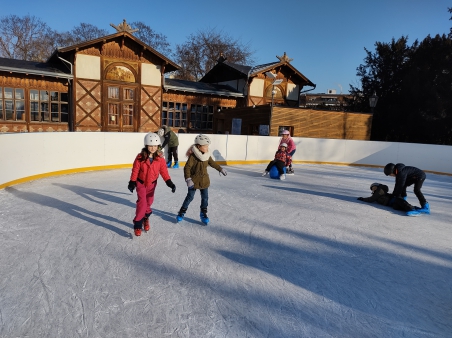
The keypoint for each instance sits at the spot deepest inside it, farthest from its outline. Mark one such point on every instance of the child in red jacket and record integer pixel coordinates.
(282, 159)
(147, 167)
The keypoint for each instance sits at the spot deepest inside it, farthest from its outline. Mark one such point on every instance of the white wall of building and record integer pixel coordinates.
(257, 87)
(293, 91)
(151, 75)
(87, 67)
(30, 156)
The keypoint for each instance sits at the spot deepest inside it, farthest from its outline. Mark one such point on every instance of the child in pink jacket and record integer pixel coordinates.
(147, 167)
(291, 148)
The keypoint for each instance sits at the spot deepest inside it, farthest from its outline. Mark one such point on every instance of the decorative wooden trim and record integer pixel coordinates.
(78, 123)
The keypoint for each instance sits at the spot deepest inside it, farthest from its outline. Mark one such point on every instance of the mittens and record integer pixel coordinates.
(132, 185)
(224, 172)
(171, 185)
(190, 183)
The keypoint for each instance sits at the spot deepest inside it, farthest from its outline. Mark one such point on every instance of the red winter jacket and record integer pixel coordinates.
(284, 157)
(148, 172)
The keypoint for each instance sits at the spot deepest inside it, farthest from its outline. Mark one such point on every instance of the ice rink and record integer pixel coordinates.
(294, 258)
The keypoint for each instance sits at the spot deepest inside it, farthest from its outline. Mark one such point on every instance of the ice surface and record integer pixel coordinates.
(294, 258)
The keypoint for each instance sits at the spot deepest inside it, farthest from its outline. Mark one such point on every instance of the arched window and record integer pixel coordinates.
(120, 73)
(278, 95)
(120, 104)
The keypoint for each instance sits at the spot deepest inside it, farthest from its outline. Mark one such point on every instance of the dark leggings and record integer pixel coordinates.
(291, 155)
(279, 165)
(417, 191)
(172, 151)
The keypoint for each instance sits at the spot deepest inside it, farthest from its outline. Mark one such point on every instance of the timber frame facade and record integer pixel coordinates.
(117, 83)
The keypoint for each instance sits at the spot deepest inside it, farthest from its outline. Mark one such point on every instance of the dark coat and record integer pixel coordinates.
(170, 138)
(406, 176)
(380, 195)
(196, 169)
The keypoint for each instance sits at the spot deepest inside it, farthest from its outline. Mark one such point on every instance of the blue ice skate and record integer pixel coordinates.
(176, 165)
(425, 209)
(180, 215)
(413, 213)
(418, 211)
(204, 219)
(168, 164)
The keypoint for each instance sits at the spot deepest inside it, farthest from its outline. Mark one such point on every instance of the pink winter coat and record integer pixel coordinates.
(290, 144)
(148, 172)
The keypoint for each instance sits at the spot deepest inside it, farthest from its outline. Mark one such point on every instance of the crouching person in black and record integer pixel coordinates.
(406, 176)
(380, 195)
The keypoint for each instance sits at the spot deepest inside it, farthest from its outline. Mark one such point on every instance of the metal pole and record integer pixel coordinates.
(271, 113)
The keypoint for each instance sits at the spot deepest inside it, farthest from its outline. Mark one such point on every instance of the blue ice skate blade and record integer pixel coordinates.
(413, 213)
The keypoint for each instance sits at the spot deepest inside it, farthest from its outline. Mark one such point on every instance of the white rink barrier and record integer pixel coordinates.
(30, 156)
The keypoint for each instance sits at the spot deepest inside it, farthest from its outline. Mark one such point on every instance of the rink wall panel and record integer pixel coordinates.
(30, 156)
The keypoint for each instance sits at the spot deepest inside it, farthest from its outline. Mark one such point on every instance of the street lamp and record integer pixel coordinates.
(373, 102)
(275, 83)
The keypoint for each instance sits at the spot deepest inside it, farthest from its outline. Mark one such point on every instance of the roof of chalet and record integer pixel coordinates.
(200, 87)
(33, 68)
(227, 71)
(170, 66)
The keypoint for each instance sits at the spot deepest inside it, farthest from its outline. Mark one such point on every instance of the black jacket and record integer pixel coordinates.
(380, 195)
(406, 176)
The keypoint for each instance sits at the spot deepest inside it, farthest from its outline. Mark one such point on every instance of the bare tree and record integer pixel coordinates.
(201, 51)
(25, 38)
(83, 32)
(152, 38)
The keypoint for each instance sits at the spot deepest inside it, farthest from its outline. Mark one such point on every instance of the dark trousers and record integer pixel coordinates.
(191, 195)
(291, 155)
(401, 204)
(417, 190)
(172, 151)
(279, 165)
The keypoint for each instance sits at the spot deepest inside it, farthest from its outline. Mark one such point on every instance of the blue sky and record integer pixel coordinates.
(325, 39)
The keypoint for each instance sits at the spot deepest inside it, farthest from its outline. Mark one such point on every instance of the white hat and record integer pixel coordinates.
(202, 140)
(151, 139)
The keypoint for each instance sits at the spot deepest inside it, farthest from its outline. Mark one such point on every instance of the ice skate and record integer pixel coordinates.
(180, 215)
(204, 219)
(168, 164)
(282, 177)
(146, 225)
(290, 171)
(425, 209)
(265, 173)
(176, 165)
(413, 213)
(137, 226)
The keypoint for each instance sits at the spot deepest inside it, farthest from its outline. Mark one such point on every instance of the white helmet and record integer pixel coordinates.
(283, 145)
(151, 139)
(202, 140)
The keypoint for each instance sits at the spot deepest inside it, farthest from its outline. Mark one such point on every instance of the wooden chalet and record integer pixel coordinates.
(277, 82)
(117, 83)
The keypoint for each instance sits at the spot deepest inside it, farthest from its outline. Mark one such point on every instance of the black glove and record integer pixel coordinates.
(132, 185)
(171, 185)
(360, 199)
